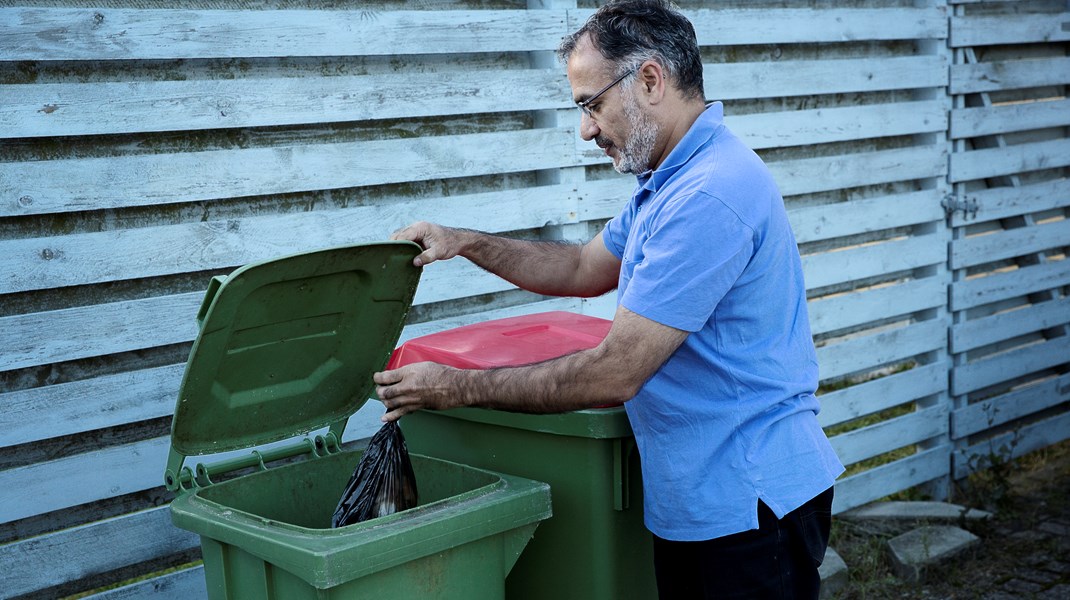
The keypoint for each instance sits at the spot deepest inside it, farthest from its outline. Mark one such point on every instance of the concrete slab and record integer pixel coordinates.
(898, 516)
(918, 550)
(833, 573)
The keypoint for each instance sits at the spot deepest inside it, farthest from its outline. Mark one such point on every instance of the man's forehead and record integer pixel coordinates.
(587, 68)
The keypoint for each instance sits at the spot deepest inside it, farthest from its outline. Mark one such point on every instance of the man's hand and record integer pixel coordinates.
(420, 385)
(438, 242)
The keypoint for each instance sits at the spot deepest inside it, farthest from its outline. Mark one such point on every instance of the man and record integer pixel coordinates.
(710, 347)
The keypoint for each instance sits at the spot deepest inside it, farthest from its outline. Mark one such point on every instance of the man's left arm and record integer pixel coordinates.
(612, 372)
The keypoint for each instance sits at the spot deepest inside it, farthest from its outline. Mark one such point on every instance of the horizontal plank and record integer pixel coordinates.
(71, 554)
(1009, 118)
(822, 174)
(976, 333)
(1009, 243)
(1009, 75)
(878, 482)
(1009, 160)
(1020, 442)
(828, 221)
(885, 436)
(1002, 409)
(882, 393)
(127, 34)
(187, 584)
(861, 262)
(63, 409)
(843, 311)
(76, 184)
(1013, 201)
(720, 27)
(827, 125)
(70, 109)
(779, 79)
(1010, 365)
(880, 349)
(1014, 283)
(85, 258)
(989, 30)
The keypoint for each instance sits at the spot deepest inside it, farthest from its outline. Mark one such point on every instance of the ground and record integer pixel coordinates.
(1025, 548)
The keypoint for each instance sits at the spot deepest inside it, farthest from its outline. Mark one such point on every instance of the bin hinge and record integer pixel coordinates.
(967, 204)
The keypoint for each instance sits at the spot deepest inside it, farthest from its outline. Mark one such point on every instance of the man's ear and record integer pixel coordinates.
(652, 80)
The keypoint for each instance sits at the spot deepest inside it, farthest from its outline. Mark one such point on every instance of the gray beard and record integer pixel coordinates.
(635, 156)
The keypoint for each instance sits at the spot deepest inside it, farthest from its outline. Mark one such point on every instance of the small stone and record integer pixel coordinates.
(915, 551)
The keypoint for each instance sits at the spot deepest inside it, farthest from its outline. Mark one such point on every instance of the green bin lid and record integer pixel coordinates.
(289, 345)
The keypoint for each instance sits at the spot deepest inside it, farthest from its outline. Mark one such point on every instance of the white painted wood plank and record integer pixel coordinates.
(879, 438)
(1009, 160)
(1009, 75)
(187, 584)
(68, 408)
(816, 223)
(990, 30)
(884, 348)
(57, 484)
(50, 186)
(1021, 241)
(1010, 365)
(1001, 326)
(1007, 118)
(879, 394)
(860, 262)
(1003, 202)
(96, 330)
(809, 175)
(841, 311)
(67, 109)
(1009, 284)
(56, 261)
(1008, 407)
(827, 125)
(1013, 445)
(72, 554)
(722, 27)
(878, 482)
(125, 34)
(778, 79)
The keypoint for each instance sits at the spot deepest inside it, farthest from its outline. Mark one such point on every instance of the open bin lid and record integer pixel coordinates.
(289, 345)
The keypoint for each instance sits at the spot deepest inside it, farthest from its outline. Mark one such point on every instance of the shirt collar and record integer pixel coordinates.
(702, 130)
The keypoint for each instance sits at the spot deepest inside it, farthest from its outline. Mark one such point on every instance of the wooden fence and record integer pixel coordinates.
(144, 150)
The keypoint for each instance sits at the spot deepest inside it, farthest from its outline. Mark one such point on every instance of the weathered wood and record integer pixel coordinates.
(187, 584)
(1002, 202)
(1009, 160)
(988, 330)
(1011, 445)
(1010, 365)
(1013, 283)
(1005, 408)
(825, 222)
(809, 175)
(842, 311)
(51, 186)
(778, 79)
(991, 30)
(1009, 243)
(1009, 118)
(67, 109)
(68, 555)
(725, 27)
(880, 349)
(882, 393)
(885, 436)
(878, 482)
(142, 34)
(1009, 75)
(860, 262)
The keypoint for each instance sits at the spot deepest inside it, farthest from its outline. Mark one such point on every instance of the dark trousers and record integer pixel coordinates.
(778, 560)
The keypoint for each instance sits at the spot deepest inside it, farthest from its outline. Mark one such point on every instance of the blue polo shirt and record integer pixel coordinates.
(706, 247)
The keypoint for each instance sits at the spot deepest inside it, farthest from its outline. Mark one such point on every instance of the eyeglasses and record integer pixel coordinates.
(585, 104)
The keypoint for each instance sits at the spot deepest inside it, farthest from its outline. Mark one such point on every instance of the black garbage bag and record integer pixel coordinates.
(383, 482)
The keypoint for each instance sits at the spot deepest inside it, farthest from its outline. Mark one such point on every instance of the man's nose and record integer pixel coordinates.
(588, 128)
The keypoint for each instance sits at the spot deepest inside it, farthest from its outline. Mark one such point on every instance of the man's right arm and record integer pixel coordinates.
(552, 268)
